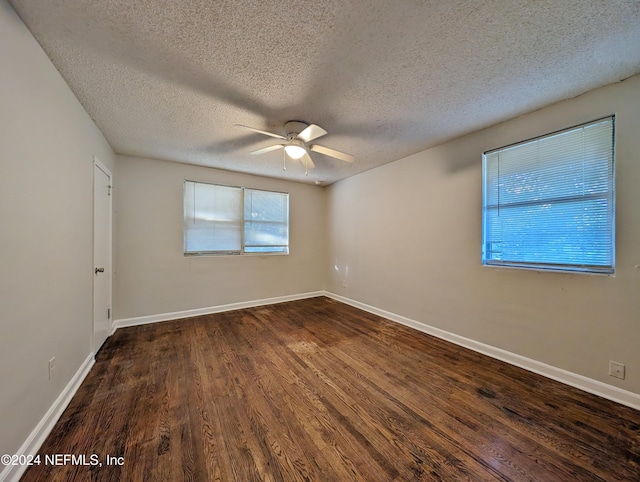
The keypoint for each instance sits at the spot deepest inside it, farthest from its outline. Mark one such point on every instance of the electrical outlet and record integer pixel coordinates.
(52, 367)
(616, 369)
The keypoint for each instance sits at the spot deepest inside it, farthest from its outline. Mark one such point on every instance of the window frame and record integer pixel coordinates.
(241, 251)
(565, 267)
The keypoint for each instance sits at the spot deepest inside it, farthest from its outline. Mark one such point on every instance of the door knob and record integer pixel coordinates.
(99, 270)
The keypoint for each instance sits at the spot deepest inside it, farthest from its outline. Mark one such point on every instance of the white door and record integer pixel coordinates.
(101, 254)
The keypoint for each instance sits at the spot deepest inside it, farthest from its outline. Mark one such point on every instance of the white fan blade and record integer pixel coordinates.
(307, 161)
(267, 149)
(277, 136)
(333, 153)
(311, 132)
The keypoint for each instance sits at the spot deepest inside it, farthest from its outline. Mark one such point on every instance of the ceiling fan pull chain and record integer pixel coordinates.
(284, 160)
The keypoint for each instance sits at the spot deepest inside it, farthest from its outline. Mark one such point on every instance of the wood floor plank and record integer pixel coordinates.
(316, 390)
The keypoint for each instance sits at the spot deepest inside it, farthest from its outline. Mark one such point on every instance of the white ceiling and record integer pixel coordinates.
(167, 79)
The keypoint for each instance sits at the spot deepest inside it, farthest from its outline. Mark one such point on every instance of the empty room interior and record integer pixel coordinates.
(320, 241)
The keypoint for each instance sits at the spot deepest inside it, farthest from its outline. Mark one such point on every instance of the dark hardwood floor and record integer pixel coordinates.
(317, 390)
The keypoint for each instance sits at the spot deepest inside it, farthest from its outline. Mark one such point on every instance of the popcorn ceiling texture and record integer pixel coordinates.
(168, 79)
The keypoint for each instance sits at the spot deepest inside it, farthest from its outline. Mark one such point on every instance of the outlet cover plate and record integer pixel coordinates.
(52, 367)
(616, 369)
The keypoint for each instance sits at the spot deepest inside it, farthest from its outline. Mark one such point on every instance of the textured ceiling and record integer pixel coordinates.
(168, 79)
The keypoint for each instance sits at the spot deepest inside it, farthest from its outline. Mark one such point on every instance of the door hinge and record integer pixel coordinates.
(108, 313)
(109, 189)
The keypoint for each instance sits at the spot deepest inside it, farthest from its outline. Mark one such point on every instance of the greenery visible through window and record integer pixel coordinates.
(548, 203)
(234, 220)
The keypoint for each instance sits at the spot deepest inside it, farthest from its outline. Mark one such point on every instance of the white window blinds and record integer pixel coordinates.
(549, 202)
(234, 220)
(212, 218)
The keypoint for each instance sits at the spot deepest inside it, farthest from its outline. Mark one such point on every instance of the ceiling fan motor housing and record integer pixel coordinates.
(293, 128)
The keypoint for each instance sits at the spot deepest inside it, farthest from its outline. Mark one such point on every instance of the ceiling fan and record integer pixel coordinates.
(297, 137)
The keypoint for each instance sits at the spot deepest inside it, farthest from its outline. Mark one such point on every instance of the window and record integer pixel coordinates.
(548, 203)
(266, 222)
(234, 220)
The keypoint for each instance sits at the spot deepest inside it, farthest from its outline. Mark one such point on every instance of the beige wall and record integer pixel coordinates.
(406, 238)
(154, 277)
(46, 239)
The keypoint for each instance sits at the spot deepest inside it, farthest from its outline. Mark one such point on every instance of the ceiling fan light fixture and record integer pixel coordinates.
(294, 151)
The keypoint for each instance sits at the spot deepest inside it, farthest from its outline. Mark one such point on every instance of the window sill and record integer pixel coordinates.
(231, 255)
(540, 269)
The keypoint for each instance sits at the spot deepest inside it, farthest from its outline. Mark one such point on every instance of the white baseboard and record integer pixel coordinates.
(36, 438)
(590, 385)
(143, 320)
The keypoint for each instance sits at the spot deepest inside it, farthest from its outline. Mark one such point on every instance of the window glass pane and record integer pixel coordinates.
(212, 218)
(549, 202)
(266, 221)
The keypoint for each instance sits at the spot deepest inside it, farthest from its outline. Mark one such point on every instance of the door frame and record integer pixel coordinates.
(109, 261)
